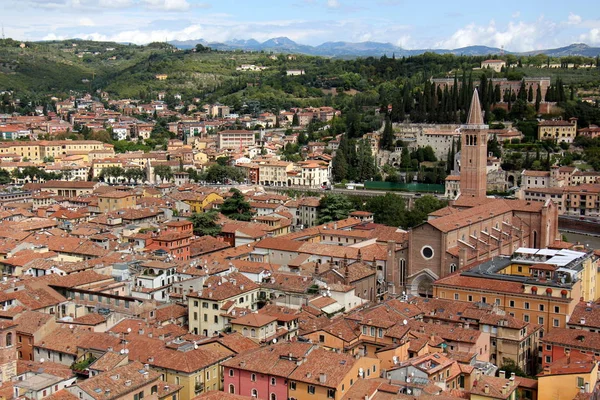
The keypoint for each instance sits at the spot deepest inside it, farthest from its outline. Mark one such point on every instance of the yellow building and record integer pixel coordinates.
(538, 286)
(116, 200)
(328, 375)
(564, 378)
(494, 388)
(218, 296)
(559, 131)
(260, 328)
(57, 149)
(202, 201)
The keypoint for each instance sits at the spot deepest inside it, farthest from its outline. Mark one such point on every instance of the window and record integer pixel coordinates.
(484, 300)
(455, 296)
(216, 319)
(273, 381)
(311, 389)
(292, 385)
(470, 298)
(511, 303)
(549, 347)
(373, 331)
(556, 310)
(541, 307)
(254, 393)
(215, 306)
(231, 389)
(231, 372)
(331, 393)
(364, 330)
(321, 338)
(273, 396)
(195, 303)
(380, 333)
(555, 322)
(204, 304)
(205, 317)
(579, 381)
(526, 318)
(207, 375)
(526, 305)
(9, 339)
(427, 252)
(541, 320)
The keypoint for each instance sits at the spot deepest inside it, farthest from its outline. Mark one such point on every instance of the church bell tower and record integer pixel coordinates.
(473, 152)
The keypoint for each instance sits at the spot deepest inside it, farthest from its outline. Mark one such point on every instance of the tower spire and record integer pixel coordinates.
(475, 114)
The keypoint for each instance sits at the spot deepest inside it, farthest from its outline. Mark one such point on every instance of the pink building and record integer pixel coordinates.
(263, 372)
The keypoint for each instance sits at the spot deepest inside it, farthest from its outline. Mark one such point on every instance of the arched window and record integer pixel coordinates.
(273, 396)
(231, 389)
(9, 339)
(254, 393)
(253, 377)
(253, 332)
(402, 272)
(230, 372)
(452, 267)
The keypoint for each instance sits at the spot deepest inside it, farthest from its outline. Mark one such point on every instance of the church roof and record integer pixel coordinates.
(475, 114)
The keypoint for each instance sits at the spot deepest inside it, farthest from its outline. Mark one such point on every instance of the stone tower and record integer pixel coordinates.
(473, 152)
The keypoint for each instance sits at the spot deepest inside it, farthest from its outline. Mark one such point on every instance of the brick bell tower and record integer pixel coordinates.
(473, 152)
(8, 351)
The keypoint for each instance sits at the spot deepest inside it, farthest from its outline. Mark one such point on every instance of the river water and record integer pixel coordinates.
(592, 242)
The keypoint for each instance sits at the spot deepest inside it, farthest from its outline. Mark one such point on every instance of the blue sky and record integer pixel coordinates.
(516, 25)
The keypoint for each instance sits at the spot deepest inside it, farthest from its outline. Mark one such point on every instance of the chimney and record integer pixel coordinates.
(322, 378)
(504, 389)
(502, 374)
(486, 389)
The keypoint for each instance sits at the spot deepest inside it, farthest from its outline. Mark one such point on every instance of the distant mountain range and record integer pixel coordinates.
(366, 49)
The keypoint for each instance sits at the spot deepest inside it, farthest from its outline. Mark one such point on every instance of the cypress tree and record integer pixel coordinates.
(538, 98)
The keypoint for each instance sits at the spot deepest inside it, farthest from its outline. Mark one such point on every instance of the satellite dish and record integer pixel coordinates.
(128, 330)
(126, 351)
(274, 341)
(408, 391)
(195, 346)
(71, 326)
(405, 322)
(122, 351)
(42, 360)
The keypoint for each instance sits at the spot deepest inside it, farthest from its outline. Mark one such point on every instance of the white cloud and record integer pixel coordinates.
(404, 41)
(115, 3)
(592, 37)
(574, 19)
(168, 5)
(516, 36)
(333, 4)
(85, 21)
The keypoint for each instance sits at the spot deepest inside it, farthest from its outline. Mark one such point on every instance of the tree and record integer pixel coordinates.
(334, 207)
(494, 147)
(134, 174)
(5, 177)
(387, 138)
(236, 207)
(509, 366)
(164, 172)
(538, 98)
(389, 209)
(339, 167)
(422, 207)
(295, 121)
(223, 161)
(205, 224)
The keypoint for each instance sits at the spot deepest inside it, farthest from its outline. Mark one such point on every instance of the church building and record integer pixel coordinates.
(474, 227)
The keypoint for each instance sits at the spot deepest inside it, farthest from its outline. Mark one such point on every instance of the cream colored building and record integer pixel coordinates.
(274, 172)
(559, 131)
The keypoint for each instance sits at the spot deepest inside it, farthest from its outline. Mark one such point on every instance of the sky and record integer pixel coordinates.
(411, 24)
